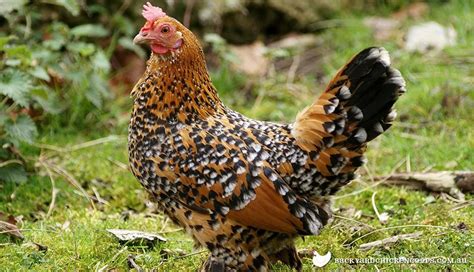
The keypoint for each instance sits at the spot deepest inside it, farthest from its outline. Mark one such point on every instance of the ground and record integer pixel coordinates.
(433, 132)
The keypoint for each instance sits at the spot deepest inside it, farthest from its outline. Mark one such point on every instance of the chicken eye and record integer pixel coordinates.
(165, 29)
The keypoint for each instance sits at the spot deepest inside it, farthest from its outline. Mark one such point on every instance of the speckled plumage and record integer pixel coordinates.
(243, 188)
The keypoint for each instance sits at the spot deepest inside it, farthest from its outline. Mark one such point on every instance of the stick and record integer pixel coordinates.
(76, 147)
(5, 163)
(62, 172)
(453, 183)
(353, 220)
(379, 216)
(132, 264)
(396, 227)
(390, 240)
(190, 254)
(54, 193)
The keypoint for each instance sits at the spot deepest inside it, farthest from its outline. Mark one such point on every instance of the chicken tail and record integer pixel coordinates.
(355, 108)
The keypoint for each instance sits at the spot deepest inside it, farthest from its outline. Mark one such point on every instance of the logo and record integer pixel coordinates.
(319, 260)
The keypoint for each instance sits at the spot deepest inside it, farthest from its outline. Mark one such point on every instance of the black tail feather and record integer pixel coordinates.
(375, 87)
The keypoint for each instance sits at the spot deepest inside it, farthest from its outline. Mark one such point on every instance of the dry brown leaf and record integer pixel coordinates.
(8, 225)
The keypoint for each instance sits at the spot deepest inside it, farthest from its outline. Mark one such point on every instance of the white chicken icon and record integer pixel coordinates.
(321, 260)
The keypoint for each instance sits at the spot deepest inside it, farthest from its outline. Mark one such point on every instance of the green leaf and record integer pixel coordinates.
(71, 5)
(85, 49)
(18, 53)
(13, 173)
(214, 39)
(3, 117)
(89, 30)
(40, 72)
(124, 25)
(7, 6)
(100, 61)
(23, 129)
(15, 85)
(4, 41)
(13, 62)
(94, 97)
(127, 43)
(48, 100)
(56, 43)
(97, 91)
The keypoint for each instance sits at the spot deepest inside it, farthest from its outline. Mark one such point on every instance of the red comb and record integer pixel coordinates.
(152, 13)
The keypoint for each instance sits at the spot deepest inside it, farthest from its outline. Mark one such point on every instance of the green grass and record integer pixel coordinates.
(428, 135)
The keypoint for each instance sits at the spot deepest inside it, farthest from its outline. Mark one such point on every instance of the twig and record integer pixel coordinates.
(125, 248)
(324, 24)
(76, 147)
(5, 163)
(369, 173)
(132, 264)
(395, 227)
(98, 198)
(187, 12)
(10, 229)
(448, 198)
(390, 240)
(453, 183)
(49, 147)
(22, 230)
(119, 164)
(123, 7)
(427, 168)
(65, 174)
(99, 141)
(190, 254)
(381, 220)
(54, 192)
(353, 220)
(413, 136)
(164, 224)
(462, 205)
(293, 68)
(408, 164)
(100, 269)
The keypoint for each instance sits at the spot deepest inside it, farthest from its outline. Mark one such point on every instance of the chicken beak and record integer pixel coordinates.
(140, 38)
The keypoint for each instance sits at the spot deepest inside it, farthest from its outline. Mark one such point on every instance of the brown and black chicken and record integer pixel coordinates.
(243, 188)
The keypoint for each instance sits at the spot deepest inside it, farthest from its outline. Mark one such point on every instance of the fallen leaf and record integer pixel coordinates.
(134, 237)
(8, 225)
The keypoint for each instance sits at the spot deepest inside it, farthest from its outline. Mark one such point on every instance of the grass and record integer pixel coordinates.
(431, 134)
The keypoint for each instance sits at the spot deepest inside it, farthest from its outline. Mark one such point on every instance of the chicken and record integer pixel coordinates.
(246, 189)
